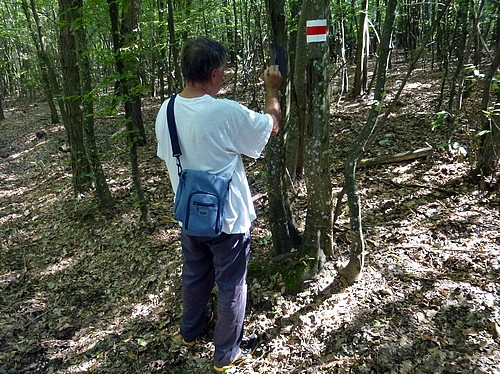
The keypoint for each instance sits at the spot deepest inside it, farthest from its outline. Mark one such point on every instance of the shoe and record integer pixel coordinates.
(181, 341)
(189, 344)
(249, 344)
(247, 348)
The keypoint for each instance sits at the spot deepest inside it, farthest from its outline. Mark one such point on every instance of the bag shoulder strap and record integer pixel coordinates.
(172, 129)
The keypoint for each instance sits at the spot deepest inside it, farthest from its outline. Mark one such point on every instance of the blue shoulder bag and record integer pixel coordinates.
(201, 196)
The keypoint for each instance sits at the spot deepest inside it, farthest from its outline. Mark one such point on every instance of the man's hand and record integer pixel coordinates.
(272, 82)
(272, 79)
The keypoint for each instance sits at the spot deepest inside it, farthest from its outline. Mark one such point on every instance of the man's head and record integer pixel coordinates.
(200, 57)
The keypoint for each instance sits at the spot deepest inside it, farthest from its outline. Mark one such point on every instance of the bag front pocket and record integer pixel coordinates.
(203, 215)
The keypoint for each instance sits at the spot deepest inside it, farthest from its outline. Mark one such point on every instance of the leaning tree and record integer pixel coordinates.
(357, 254)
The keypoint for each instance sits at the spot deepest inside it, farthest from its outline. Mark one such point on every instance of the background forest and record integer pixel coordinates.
(377, 243)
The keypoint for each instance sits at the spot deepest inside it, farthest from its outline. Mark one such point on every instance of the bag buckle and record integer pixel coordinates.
(179, 166)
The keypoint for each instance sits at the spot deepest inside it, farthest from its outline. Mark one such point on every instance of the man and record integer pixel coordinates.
(213, 136)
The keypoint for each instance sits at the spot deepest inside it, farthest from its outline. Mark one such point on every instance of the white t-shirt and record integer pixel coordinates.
(213, 136)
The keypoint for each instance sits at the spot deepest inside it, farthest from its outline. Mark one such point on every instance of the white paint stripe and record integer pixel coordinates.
(316, 22)
(316, 38)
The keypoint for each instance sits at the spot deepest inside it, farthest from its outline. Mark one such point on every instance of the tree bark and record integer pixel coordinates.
(127, 67)
(299, 96)
(236, 47)
(284, 233)
(177, 84)
(489, 149)
(457, 78)
(343, 61)
(2, 93)
(72, 100)
(162, 37)
(359, 84)
(2, 114)
(318, 242)
(102, 190)
(49, 82)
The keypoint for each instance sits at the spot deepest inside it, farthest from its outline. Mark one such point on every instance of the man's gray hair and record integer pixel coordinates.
(200, 56)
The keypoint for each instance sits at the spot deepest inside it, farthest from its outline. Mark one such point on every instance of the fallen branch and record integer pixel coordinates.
(418, 185)
(398, 157)
(259, 196)
(441, 249)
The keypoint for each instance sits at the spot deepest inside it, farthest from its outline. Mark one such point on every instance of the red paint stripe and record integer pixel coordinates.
(316, 30)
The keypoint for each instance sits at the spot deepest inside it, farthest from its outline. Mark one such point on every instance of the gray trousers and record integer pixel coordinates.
(206, 262)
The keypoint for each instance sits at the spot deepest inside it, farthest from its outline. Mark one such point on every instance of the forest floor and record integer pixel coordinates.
(82, 291)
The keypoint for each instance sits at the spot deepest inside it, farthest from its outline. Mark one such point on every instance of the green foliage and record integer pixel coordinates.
(471, 123)
(494, 109)
(266, 240)
(495, 85)
(440, 118)
(286, 274)
(471, 72)
(472, 78)
(298, 271)
(16, 51)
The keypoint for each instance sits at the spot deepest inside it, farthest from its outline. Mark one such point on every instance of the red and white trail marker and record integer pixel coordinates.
(316, 31)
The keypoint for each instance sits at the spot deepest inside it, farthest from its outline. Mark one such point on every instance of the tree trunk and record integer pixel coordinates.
(477, 35)
(318, 241)
(489, 149)
(460, 35)
(236, 48)
(44, 63)
(2, 93)
(284, 233)
(343, 61)
(475, 47)
(102, 190)
(299, 95)
(72, 99)
(2, 115)
(294, 141)
(127, 66)
(174, 51)
(357, 255)
(162, 37)
(361, 52)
